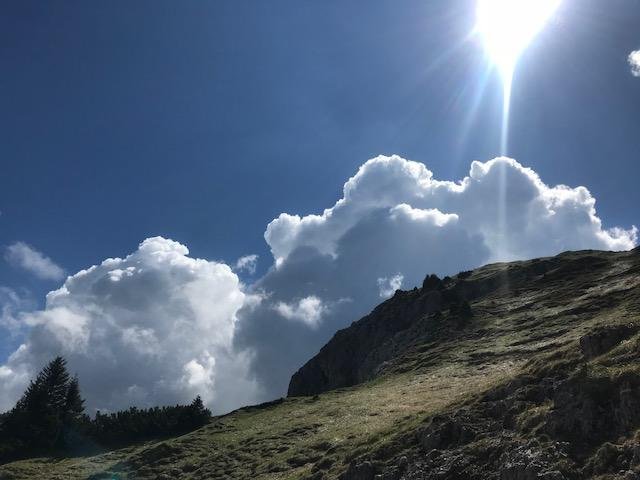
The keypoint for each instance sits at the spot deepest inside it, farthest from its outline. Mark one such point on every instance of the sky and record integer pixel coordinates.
(197, 145)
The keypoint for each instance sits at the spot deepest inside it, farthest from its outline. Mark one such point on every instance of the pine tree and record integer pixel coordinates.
(74, 403)
(199, 413)
(37, 420)
(56, 381)
(74, 422)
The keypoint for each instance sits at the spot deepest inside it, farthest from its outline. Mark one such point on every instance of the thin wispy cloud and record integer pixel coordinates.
(634, 63)
(247, 264)
(12, 304)
(28, 258)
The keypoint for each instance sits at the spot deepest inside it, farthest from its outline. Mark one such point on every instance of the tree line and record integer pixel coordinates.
(50, 419)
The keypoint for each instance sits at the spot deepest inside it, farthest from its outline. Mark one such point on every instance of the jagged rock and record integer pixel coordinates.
(635, 455)
(356, 354)
(359, 471)
(604, 339)
(590, 409)
(531, 462)
(390, 474)
(606, 456)
(628, 408)
(443, 432)
(432, 282)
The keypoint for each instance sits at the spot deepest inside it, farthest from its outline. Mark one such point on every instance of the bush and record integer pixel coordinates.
(142, 424)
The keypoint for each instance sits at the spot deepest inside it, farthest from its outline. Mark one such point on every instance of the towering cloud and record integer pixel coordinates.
(152, 328)
(160, 326)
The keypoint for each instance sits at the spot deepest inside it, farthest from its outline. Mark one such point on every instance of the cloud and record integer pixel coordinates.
(395, 223)
(28, 258)
(308, 310)
(152, 328)
(11, 303)
(634, 63)
(388, 286)
(247, 264)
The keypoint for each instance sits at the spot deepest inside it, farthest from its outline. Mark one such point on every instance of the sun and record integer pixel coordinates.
(508, 26)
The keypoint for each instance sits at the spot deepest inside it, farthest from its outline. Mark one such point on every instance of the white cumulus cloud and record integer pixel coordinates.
(28, 258)
(152, 328)
(634, 63)
(505, 203)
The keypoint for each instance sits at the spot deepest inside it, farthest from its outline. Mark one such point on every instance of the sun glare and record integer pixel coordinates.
(508, 26)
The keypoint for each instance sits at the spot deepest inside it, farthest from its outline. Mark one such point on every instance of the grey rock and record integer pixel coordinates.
(604, 339)
(359, 471)
(355, 354)
(443, 432)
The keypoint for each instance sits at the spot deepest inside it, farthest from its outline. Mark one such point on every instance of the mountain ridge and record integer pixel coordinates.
(382, 330)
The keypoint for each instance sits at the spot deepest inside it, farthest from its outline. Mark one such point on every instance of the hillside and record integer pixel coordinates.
(518, 371)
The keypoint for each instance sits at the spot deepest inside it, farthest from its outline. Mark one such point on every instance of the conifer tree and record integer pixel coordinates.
(56, 382)
(74, 403)
(49, 417)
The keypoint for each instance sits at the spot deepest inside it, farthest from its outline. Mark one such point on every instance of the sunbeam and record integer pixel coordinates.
(507, 27)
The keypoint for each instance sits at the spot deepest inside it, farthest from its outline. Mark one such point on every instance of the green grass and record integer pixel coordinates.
(285, 441)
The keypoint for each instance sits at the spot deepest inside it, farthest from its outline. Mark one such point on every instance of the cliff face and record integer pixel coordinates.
(357, 354)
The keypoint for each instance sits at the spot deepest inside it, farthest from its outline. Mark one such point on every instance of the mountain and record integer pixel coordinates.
(514, 371)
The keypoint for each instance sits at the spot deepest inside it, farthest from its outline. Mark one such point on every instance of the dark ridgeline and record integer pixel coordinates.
(49, 418)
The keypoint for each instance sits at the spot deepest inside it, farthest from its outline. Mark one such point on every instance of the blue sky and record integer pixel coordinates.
(202, 121)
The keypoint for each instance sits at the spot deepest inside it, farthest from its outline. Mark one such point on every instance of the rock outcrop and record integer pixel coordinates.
(356, 354)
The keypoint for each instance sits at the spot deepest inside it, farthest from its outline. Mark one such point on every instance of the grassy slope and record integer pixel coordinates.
(538, 314)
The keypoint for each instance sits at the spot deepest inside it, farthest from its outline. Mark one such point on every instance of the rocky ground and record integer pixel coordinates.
(526, 370)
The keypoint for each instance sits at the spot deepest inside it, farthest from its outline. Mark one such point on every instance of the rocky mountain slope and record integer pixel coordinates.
(526, 370)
